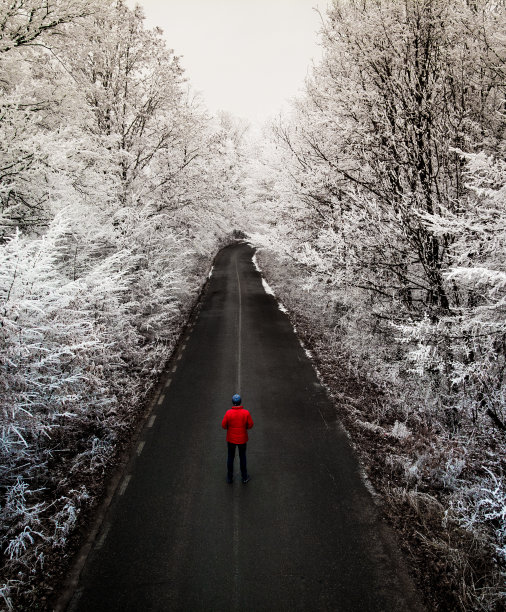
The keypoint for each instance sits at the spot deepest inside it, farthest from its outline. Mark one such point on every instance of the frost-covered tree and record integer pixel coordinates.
(371, 148)
(28, 22)
(397, 89)
(474, 332)
(133, 85)
(48, 158)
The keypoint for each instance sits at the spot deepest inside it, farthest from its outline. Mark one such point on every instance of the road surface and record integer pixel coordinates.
(303, 534)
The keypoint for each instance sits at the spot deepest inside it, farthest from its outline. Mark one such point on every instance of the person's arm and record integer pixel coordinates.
(249, 422)
(224, 423)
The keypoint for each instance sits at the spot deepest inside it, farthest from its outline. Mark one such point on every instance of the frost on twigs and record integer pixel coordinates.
(480, 504)
(66, 518)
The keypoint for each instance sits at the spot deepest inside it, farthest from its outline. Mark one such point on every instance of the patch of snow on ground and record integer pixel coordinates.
(399, 430)
(210, 272)
(368, 485)
(266, 285)
(308, 353)
(267, 289)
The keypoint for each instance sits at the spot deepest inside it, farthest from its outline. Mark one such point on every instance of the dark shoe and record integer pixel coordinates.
(230, 480)
(247, 479)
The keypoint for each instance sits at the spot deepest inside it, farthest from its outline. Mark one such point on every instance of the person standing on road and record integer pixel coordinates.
(237, 421)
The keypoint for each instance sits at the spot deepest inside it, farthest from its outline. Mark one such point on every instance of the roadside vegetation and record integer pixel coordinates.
(380, 206)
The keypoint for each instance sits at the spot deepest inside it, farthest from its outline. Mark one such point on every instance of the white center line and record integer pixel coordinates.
(236, 531)
(239, 331)
(124, 484)
(152, 420)
(103, 537)
(161, 398)
(235, 548)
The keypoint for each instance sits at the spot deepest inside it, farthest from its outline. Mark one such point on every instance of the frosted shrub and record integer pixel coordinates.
(399, 430)
(23, 540)
(56, 348)
(21, 511)
(483, 504)
(95, 457)
(412, 472)
(452, 472)
(66, 518)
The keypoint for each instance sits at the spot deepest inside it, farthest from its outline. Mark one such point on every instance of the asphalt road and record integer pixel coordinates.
(303, 534)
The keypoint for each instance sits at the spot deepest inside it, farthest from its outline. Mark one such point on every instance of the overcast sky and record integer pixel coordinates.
(245, 56)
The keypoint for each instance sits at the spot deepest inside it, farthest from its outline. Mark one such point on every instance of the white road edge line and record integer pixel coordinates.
(103, 537)
(235, 548)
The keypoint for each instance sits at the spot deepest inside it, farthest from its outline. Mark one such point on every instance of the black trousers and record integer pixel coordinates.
(231, 457)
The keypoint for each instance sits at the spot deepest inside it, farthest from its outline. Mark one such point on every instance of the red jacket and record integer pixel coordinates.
(237, 421)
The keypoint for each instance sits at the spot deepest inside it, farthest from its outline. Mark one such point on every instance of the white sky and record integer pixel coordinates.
(244, 56)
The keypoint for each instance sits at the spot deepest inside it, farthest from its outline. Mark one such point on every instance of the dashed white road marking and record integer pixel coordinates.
(239, 329)
(235, 514)
(75, 600)
(183, 347)
(167, 384)
(140, 447)
(174, 368)
(103, 537)
(124, 484)
(161, 398)
(152, 420)
(179, 357)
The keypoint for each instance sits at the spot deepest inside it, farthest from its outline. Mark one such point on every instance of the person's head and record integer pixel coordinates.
(236, 400)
